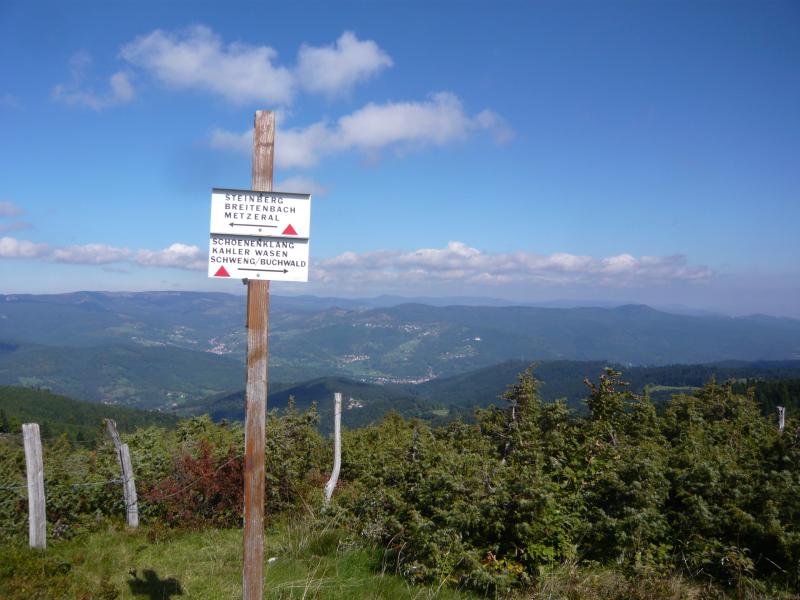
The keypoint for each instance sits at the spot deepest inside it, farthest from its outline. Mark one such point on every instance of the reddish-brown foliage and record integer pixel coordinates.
(204, 490)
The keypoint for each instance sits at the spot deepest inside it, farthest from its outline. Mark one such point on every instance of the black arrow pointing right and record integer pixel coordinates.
(267, 270)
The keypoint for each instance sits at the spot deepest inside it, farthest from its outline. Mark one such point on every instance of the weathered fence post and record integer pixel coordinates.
(337, 447)
(128, 481)
(781, 418)
(37, 519)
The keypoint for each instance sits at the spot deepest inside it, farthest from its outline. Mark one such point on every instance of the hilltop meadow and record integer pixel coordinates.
(698, 499)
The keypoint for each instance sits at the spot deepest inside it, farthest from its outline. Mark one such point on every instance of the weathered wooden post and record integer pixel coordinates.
(260, 236)
(781, 418)
(37, 518)
(128, 481)
(337, 447)
(257, 380)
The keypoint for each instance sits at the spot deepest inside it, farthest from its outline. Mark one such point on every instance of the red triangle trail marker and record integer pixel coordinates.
(289, 230)
(221, 272)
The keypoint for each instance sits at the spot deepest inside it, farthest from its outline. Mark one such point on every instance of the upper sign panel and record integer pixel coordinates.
(263, 214)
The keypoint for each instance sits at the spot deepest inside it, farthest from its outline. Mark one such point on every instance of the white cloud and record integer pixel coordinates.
(180, 256)
(301, 147)
(196, 58)
(13, 248)
(460, 263)
(9, 209)
(438, 121)
(90, 254)
(337, 68)
(300, 185)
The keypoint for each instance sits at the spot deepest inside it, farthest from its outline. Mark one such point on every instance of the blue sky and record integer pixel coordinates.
(636, 151)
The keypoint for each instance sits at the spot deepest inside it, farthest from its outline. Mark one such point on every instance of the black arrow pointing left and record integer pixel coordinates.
(248, 225)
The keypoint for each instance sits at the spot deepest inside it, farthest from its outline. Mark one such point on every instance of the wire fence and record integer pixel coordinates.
(4, 488)
(81, 485)
(93, 442)
(17, 493)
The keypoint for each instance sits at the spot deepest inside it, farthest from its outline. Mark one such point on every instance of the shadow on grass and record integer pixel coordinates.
(153, 587)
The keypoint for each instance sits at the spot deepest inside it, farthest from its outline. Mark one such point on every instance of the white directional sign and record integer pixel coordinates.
(250, 257)
(259, 235)
(262, 214)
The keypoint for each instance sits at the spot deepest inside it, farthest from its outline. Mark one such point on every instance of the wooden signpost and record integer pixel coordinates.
(261, 235)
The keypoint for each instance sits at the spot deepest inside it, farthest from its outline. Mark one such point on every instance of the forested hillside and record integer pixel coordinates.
(441, 400)
(771, 394)
(80, 421)
(151, 377)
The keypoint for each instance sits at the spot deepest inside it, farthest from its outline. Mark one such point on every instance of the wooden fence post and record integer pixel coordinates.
(37, 518)
(337, 448)
(128, 482)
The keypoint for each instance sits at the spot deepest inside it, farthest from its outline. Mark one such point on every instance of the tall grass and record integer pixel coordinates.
(302, 561)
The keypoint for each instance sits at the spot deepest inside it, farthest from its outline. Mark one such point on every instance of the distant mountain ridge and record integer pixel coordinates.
(395, 344)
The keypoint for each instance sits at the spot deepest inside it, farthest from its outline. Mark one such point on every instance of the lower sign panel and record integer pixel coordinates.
(273, 259)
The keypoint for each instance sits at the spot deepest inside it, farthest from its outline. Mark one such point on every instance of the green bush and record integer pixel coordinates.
(529, 495)
(709, 489)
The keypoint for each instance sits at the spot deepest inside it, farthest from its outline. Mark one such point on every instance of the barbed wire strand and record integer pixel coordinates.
(12, 488)
(12, 501)
(122, 480)
(56, 486)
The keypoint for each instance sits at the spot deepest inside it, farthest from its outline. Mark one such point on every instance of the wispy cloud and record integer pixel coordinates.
(458, 262)
(74, 93)
(301, 185)
(178, 256)
(15, 226)
(401, 125)
(9, 209)
(90, 254)
(10, 101)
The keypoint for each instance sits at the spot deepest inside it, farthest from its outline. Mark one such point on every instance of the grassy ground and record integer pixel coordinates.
(309, 563)
(158, 564)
